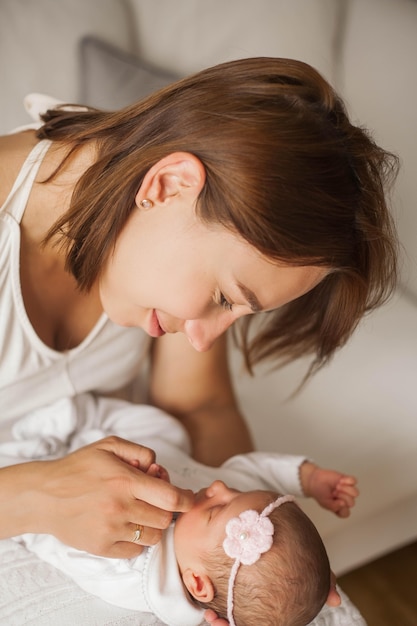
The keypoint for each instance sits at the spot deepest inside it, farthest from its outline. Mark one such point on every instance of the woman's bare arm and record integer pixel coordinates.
(196, 388)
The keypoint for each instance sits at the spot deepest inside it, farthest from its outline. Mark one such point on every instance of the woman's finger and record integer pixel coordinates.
(158, 471)
(133, 453)
(142, 535)
(159, 493)
(162, 494)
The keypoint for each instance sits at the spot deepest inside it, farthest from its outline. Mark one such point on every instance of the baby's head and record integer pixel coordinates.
(286, 586)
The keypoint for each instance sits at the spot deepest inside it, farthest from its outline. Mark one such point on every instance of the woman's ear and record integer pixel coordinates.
(177, 174)
(199, 585)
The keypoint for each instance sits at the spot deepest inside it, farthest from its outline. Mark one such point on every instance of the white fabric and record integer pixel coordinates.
(108, 358)
(32, 592)
(150, 582)
(70, 423)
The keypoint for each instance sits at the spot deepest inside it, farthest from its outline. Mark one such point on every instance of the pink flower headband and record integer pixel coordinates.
(247, 537)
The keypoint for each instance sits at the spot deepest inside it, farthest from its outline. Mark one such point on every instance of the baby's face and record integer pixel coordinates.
(202, 529)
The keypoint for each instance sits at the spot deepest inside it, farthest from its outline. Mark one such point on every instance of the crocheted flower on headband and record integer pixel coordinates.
(248, 536)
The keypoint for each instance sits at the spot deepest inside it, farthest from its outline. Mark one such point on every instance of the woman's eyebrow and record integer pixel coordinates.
(253, 301)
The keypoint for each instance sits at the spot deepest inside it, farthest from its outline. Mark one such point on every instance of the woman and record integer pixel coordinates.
(240, 190)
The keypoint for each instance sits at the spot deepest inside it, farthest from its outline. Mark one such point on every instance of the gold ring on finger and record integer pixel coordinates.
(138, 533)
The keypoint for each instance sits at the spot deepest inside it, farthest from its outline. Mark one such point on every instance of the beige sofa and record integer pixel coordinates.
(360, 413)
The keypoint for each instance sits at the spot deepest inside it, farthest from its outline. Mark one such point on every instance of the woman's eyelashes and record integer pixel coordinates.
(224, 303)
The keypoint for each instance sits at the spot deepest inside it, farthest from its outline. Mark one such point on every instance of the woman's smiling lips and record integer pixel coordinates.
(155, 329)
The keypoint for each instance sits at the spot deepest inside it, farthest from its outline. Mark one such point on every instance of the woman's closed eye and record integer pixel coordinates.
(225, 303)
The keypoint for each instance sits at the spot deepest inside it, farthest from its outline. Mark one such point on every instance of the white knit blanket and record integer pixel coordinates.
(33, 593)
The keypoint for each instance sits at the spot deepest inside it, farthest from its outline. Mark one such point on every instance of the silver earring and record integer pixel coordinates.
(146, 203)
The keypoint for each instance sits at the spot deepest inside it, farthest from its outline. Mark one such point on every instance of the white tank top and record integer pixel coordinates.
(31, 373)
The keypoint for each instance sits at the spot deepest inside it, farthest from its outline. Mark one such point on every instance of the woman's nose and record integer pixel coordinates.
(203, 333)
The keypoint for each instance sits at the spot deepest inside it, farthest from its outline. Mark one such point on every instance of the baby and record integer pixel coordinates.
(256, 558)
(207, 557)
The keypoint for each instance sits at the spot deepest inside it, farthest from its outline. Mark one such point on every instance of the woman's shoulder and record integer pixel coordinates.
(14, 149)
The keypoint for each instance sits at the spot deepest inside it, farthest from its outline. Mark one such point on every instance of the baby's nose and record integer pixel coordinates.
(216, 488)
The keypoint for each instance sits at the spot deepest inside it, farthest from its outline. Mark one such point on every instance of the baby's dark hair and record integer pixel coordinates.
(287, 586)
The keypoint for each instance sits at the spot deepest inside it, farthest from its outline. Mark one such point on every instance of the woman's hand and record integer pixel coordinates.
(94, 498)
(332, 490)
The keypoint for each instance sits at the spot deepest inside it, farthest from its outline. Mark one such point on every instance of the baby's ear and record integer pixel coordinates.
(199, 585)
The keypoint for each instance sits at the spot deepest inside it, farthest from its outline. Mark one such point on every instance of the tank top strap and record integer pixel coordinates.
(17, 199)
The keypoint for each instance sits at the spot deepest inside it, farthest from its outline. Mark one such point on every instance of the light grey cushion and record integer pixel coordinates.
(39, 43)
(112, 78)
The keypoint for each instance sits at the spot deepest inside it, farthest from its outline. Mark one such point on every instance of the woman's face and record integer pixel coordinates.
(172, 273)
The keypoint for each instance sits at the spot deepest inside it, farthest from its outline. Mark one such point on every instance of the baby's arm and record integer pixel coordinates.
(332, 490)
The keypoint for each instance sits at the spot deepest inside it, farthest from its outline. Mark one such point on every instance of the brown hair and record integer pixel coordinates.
(285, 169)
(287, 586)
